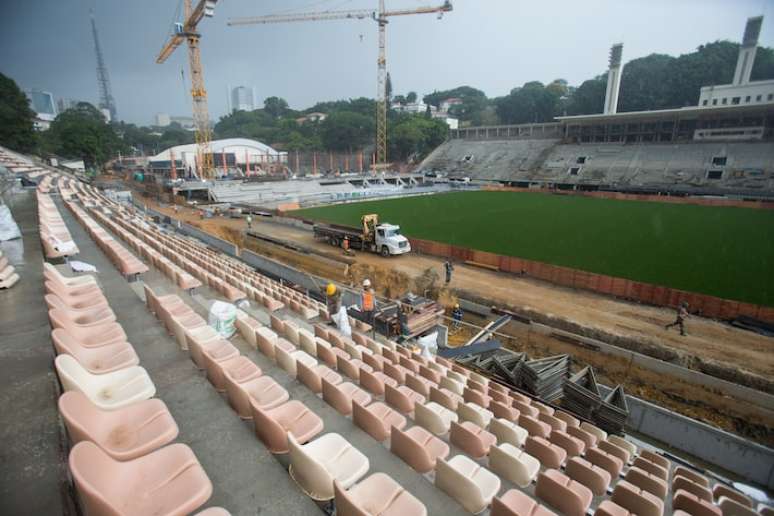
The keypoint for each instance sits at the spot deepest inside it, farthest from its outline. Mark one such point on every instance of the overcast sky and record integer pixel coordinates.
(493, 45)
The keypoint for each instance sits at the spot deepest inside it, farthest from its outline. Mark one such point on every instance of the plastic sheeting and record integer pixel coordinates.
(222, 317)
(9, 230)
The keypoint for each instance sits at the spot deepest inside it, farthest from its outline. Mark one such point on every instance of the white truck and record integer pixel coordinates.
(384, 239)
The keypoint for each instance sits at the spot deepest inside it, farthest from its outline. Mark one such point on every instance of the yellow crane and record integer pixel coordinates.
(380, 16)
(188, 31)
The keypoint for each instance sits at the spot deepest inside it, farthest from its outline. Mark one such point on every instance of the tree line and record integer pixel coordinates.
(656, 81)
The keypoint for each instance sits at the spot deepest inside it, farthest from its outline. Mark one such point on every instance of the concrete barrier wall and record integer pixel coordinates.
(747, 459)
(648, 293)
(226, 247)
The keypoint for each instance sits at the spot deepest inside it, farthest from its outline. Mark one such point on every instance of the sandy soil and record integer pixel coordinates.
(708, 341)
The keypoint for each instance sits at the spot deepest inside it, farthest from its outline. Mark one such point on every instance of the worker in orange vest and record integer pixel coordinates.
(368, 301)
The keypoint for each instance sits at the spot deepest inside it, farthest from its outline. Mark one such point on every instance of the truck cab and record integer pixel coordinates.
(389, 241)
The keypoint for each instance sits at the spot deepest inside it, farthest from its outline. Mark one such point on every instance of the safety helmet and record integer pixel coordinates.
(456, 305)
(330, 289)
(366, 283)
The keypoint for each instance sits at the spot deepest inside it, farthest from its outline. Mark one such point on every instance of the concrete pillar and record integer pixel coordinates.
(613, 79)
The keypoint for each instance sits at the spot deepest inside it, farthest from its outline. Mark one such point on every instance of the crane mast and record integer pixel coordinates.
(380, 16)
(188, 31)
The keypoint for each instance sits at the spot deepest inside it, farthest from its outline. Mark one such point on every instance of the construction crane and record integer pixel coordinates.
(188, 31)
(380, 16)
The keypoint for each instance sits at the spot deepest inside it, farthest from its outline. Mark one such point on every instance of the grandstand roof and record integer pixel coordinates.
(685, 112)
(230, 145)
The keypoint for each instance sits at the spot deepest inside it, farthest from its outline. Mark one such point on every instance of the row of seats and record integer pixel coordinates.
(8, 276)
(123, 460)
(54, 235)
(324, 466)
(129, 265)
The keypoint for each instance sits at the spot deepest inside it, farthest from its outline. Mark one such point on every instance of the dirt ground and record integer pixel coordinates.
(709, 344)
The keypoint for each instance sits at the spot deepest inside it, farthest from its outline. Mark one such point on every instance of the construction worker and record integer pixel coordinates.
(332, 299)
(368, 301)
(448, 267)
(345, 244)
(682, 315)
(249, 221)
(457, 314)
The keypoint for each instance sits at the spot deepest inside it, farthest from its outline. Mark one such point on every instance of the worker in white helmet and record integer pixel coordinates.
(368, 301)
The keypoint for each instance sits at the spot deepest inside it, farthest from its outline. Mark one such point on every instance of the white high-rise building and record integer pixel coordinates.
(241, 98)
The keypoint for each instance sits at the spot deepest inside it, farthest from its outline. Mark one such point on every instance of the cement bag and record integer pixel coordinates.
(8, 228)
(222, 317)
(427, 344)
(341, 318)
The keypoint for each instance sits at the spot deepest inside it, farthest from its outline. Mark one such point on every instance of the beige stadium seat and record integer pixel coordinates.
(680, 482)
(375, 381)
(342, 395)
(684, 501)
(376, 361)
(692, 475)
(110, 357)
(591, 476)
(109, 391)
(554, 422)
(637, 500)
(215, 359)
(316, 465)
(471, 438)
(377, 494)
(474, 413)
(167, 481)
(549, 455)
(651, 467)
(606, 461)
(434, 417)
(508, 432)
(656, 458)
(461, 379)
(563, 493)
(418, 448)
(213, 511)
(614, 449)
(199, 339)
(516, 503)
(272, 426)
(289, 360)
(396, 372)
(534, 427)
(723, 490)
(377, 419)
(464, 480)
(351, 367)
(247, 327)
(589, 439)
(124, 434)
(241, 371)
(570, 421)
(266, 339)
(402, 398)
(571, 445)
(264, 392)
(312, 376)
(648, 481)
(419, 384)
(623, 443)
(525, 409)
(454, 385)
(503, 411)
(445, 397)
(608, 508)
(513, 464)
(731, 507)
(600, 434)
(430, 374)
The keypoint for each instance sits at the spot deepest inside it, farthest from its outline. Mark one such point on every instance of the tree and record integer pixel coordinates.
(588, 98)
(275, 106)
(531, 103)
(415, 136)
(82, 132)
(474, 102)
(345, 130)
(399, 99)
(411, 97)
(17, 130)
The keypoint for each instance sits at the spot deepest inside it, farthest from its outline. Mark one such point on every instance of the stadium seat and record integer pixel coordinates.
(471, 438)
(692, 476)
(613, 449)
(534, 427)
(513, 464)
(419, 385)
(591, 476)
(109, 391)
(247, 327)
(316, 465)
(571, 445)
(342, 395)
(110, 357)
(637, 500)
(272, 426)
(501, 410)
(445, 397)
(609, 463)
(239, 372)
(217, 357)
(312, 376)
(402, 398)
(376, 419)
(656, 458)
(374, 381)
(465, 481)
(263, 392)
(167, 481)
(680, 482)
(516, 503)
(288, 360)
(648, 481)
(377, 494)
(474, 413)
(560, 491)
(417, 447)
(508, 432)
(434, 417)
(651, 467)
(549, 455)
(589, 439)
(731, 507)
(723, 490)
(125, 433)
(569, 420)
(623, 443)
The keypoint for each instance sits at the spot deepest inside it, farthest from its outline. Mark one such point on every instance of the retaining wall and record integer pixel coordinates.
(708, 306)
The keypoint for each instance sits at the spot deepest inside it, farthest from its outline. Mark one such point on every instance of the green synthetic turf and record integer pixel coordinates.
(720, 251)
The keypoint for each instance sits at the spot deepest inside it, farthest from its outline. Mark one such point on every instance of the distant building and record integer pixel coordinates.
(452, 122)
(162, 119)
(741, 90)
(311, 117)
(447, 104)
(42, 103)
(64, 104)
(241, 98)
(413, 107)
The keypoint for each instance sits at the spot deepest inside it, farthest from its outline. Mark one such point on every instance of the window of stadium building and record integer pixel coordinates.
(736, 100)
(719, 161)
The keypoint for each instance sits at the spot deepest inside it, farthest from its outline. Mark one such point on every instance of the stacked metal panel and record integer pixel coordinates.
(545, 377)
(581, 393)
(613, 412)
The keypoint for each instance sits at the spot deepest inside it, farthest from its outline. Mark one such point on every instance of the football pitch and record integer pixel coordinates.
(720, 251)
